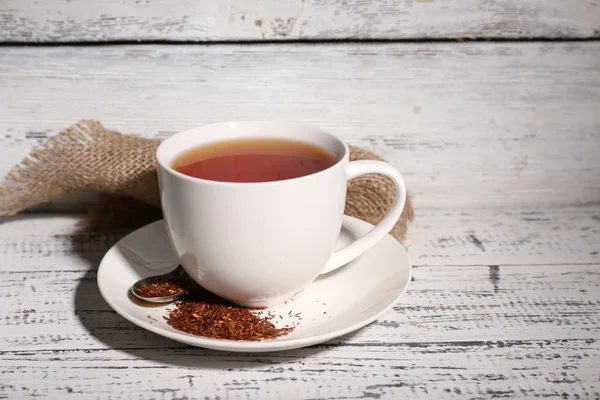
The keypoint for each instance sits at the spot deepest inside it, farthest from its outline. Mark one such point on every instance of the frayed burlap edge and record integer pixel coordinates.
(85, 157)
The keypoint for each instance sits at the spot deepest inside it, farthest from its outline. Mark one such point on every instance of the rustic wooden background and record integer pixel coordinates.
(254, 20)
(490, 108)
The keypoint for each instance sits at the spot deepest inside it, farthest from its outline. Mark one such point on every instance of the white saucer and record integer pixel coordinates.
(333, 305)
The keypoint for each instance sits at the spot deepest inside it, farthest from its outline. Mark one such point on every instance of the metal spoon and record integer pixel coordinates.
(173, 275)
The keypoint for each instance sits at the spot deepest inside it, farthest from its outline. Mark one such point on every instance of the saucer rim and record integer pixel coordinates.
(277, 344)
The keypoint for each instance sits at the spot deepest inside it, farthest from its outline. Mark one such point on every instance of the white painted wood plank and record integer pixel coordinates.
(479, 370)
(188, 20)
(64, 309)
(505, 236)
(469, 124)
(30, 243)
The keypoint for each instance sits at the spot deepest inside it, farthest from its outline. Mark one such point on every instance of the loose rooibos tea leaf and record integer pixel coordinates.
(161, 289)
(204, 314)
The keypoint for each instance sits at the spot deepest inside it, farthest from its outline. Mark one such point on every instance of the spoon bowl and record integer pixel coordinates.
(176, 274)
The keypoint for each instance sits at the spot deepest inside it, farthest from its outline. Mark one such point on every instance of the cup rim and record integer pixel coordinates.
(168, 168)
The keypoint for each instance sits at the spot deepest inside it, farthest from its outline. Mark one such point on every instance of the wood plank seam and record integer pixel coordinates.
(336, 345)
(434, 40)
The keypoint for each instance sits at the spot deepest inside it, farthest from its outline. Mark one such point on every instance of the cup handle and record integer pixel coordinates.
(353, 250)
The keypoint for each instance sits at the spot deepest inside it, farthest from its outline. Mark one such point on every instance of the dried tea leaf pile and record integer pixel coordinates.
(205, 314)
(222, 321)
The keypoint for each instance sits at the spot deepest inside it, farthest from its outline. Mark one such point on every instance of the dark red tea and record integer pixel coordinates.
(254, 160)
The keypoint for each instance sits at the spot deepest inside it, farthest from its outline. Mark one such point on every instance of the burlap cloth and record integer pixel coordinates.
(87, 157)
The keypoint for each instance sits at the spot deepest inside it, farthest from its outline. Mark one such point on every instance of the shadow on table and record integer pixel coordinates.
(98, 318)
(106, 325)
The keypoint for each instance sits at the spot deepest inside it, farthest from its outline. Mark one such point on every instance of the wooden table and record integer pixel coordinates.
(497, 136)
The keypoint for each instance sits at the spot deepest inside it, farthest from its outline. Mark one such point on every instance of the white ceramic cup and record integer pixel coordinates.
(257, 244)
